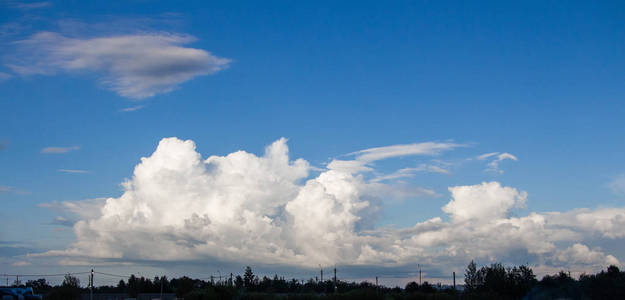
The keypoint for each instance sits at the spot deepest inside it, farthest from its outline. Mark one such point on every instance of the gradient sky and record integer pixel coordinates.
(88, 89)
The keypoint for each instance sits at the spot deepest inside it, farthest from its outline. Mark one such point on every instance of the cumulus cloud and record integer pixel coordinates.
(268, 209)
(134, 66)
(485, 201)
(496, 158)
(580, 254)
(59, 150)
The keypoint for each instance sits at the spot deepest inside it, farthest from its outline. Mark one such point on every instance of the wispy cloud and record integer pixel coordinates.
(4, 76)
(617, 185)
(59, 150)
(62, 221)
(29, 5)
(21, 263)
(496, 158)
(136, 66)
(82, 209)
(379, 153)
(364, 159)
(73, 171)
(5, 189)
(132, 108)
(410, 172)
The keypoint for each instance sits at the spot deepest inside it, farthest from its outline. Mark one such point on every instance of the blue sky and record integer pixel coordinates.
(541, 80)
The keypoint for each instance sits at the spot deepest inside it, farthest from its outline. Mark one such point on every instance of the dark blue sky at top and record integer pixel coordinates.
(543, 80)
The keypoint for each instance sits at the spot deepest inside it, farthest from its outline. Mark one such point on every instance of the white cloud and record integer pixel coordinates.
(59, 150)
(410, 172)
(135, 66)
(581, 254)
(62, 221)
(486, 201)
(29, 5)
(267, 210)
(617, 185)
(379, 153)
(493, 165)
(73, 171)
(82, 209)
(4, 76)
(132, 108)
(21, 263)
(5, 189)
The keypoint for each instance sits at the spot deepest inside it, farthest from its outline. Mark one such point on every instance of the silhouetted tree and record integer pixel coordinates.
(248, 277)
(238, 282)
(471, 277)
(412, 287)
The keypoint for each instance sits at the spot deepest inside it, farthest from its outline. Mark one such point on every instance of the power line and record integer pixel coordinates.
(43, 275)
(113, 275)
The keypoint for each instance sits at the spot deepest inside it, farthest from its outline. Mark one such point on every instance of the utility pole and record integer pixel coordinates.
(321, 268)
(454, 280)
(377, 287)
(335, 287)
(231, 279)
(162, 277)
(91, 285)
(419, 274)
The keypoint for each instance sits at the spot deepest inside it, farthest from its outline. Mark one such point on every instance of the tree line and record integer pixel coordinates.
(494, 281)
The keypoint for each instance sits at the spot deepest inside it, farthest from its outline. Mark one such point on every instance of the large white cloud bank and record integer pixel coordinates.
(270, 209)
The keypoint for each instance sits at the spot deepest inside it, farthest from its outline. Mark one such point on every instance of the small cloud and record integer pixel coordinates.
(62, 221)
(29, 5)
(59, 150)
(4, 76)
(493, 165)
(132, 108)
(82, 209)
(487, 155)
(135, 66)
(3, 145)
(379, 153)
(21, 264)
(410, 172)
(617, 185)
(73, 171)
(5, 189)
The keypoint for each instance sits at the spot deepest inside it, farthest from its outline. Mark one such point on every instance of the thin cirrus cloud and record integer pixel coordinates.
(267, 209)
(29, 5)
(617, 185)
(59, 150)
(495, 159)
(364, 158)
(132, 108)
(73, 171)
(135, 66)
